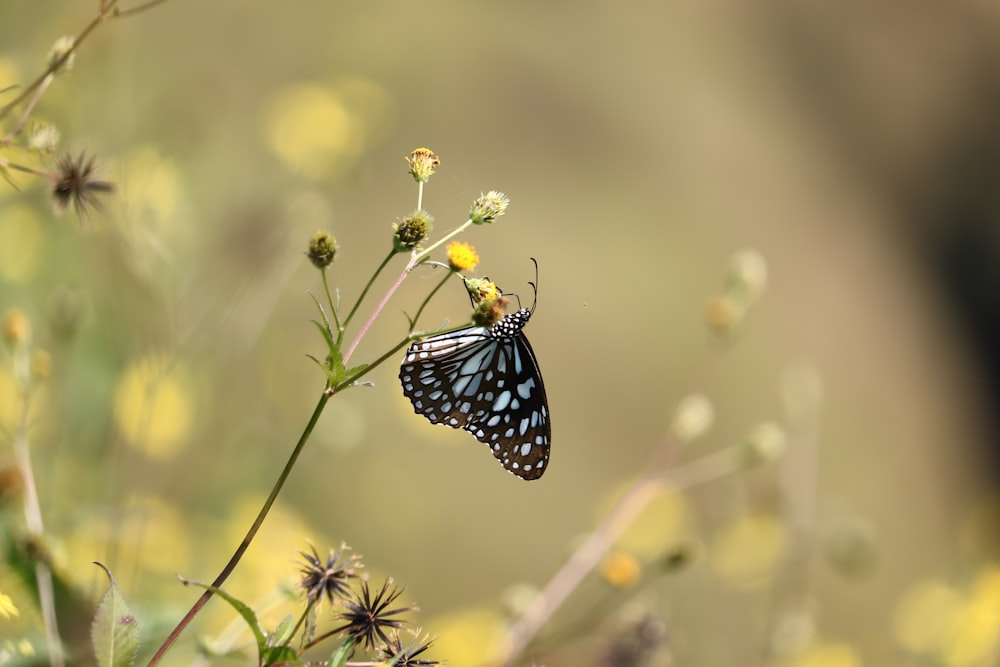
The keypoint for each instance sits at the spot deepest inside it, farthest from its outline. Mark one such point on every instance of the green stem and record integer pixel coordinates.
(453, 233)
(333, 306)
(364, 293)
(413, 323)
(245, 544)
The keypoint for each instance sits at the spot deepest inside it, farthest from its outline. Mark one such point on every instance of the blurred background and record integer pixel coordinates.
(854, 145)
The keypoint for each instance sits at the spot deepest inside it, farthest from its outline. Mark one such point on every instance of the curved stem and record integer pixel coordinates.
(245, 544)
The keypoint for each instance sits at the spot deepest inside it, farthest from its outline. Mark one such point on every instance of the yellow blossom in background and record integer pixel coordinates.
(746, 552)
(7, 607)
(657, 529)
(925, 614)
(621, 570)
(150, 187)
(462, 256)
(270, 567)
(21, 240)
(145, 541)
(974, 639)
(468, 637)
(825, 655)
(320, 131)
(154, 406)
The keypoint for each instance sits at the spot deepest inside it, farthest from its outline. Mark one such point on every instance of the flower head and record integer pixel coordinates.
(58, 57)
(328, 578)
(322, 249)
(75, 182)
(412, 230)
(489, 303)
(488, 207)
(406, 656)
(462, 256)
(422, 162)
(368, 617)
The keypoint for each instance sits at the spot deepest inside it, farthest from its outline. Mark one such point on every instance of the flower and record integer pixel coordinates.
(7, 607)
(406, 656)
(621, 570)
(422, 162)
(322, 249)
(488, 207)
(74, 182)
(489, 303)
(462, 256)
(412, 231)
(61, 56)
(329, 578)
(16, 328)
(369, 617)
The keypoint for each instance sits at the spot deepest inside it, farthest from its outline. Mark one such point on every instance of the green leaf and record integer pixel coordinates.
(242, 609)
(340, 654)
(354, 371)
(283, 633)
(322, 312)
(327, 335)
(114, 632)
(279, 655)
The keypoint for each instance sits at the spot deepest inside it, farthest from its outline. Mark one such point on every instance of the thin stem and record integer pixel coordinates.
(7, 164)
(103, 14)
(58, 62)
(36, 528)
(420, 195)
(364, 293)
(329, 300)
(381, 304)
(375, 364)
(434, 291)
(245, 544)
(122, 13)
(455, 232)
(594, 548)
(42, 87)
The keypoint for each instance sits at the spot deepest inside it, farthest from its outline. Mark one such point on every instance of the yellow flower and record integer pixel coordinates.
(7, 608)
(621, 570)
(462, 256)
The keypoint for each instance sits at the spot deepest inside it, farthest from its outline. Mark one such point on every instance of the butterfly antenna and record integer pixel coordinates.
(534, 287)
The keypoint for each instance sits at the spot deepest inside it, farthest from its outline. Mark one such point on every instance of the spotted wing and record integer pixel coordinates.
(489, 386)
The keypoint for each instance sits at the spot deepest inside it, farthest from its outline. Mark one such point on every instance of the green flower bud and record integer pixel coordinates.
(322, 249)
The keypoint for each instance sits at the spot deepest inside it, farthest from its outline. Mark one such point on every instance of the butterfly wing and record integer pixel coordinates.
(489, 386)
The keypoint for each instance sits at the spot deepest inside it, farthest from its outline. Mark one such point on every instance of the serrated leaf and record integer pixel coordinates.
(341, 654)
(242, 609)
(283, 632)
(114, 632)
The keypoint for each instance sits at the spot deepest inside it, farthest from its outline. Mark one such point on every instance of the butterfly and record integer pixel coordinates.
(485, 380)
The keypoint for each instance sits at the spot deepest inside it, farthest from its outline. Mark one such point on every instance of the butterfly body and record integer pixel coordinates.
(486, 381)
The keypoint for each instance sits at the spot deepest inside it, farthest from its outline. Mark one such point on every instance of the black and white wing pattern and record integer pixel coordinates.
(486, 381)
